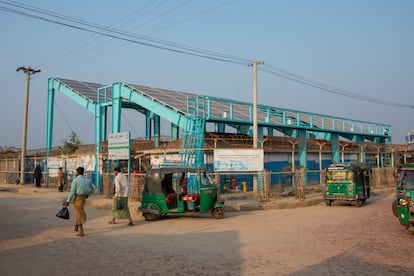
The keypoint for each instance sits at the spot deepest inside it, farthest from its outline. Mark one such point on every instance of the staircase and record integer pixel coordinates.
(386, 160)
(192, 143)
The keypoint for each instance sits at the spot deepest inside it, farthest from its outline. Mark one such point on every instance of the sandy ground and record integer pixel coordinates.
(318, 240)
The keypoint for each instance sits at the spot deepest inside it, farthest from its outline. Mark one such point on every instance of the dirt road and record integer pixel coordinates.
(318, 240)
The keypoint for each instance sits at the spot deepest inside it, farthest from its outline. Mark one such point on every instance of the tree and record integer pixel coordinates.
(71, 144)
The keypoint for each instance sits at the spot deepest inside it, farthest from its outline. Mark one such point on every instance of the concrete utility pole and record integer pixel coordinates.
(28, 71)
(255, 128)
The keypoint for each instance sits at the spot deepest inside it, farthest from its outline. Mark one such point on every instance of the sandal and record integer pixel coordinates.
(111, 222)
(130, 224)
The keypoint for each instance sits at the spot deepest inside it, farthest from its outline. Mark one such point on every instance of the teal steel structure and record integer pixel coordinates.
(191, 112)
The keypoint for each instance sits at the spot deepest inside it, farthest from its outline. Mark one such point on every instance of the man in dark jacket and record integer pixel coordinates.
(38, 175)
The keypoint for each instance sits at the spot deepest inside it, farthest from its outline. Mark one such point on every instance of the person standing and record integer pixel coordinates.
(61, 180)
(121, 194)
(79, 192)
(38, 175)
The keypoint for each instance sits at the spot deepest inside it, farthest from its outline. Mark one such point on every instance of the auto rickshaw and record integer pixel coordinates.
(175, 190)
(403, 205)
(347, 182)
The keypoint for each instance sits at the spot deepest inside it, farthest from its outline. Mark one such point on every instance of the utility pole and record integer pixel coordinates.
(255, 128)
(255, 105)
(28, 71)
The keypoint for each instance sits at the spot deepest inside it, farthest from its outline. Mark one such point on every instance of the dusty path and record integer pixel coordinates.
(318, 240)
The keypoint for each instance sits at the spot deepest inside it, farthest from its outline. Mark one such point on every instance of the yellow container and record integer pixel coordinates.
(244, 187)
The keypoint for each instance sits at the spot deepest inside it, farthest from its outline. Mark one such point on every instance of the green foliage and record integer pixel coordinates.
(71, 144)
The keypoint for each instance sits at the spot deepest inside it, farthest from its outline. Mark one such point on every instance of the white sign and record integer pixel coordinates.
(118, 146)
(238, 160)
(53, 165)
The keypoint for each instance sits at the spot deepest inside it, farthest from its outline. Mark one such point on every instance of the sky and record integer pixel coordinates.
(362, 48)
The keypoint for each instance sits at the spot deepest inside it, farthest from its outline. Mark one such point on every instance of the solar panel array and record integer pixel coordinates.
(217, 109)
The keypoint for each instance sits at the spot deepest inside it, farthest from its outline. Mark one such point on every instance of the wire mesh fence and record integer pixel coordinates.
(264, 185)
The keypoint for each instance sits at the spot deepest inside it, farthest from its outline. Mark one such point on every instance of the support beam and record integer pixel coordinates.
(148, 126)
(335, 147)
(219, 127)
(49, 124)
(175, 132)
(157, 130)
(98, 141)
(116, 110)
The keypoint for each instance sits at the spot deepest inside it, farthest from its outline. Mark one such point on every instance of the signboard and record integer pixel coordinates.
(158, 161)
(53, 165)
(238, 160)
(118, 146)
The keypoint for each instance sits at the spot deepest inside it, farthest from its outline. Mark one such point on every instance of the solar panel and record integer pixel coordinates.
(85, 89)
(222, 109)
(173, 99)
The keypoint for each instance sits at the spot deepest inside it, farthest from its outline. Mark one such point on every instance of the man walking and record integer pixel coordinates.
(120, 209)
(81, 189)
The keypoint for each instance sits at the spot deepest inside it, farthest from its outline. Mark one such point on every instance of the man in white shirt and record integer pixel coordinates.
(120, 209)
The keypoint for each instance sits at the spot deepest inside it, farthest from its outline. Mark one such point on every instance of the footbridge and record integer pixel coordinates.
(189, 114)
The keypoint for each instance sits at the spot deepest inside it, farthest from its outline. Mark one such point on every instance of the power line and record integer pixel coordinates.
(182, 49)
(342, 92)
(115, 33)
(75, 47)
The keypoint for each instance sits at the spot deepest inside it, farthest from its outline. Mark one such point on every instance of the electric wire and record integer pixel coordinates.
(342, 92)
(63, 116)
(118, 34)
(97, 45)
(172, 43)
(182, 49)
(79, 46)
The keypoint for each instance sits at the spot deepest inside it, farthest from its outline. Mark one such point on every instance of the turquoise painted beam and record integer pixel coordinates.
(116, 110)
(49, 124)
(175, 133)
(50, 115)
(335, 147)
(148, 126)
(219, 127)
(104, 115)
(157, 130)
(84, 102)
(98, 141)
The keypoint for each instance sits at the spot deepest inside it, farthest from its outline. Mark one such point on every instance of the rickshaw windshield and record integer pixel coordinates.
(340, 175)
(407, 180)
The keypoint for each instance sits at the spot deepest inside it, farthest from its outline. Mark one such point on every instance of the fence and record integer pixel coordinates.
(136, 186)
(234, 185)
(287, 184)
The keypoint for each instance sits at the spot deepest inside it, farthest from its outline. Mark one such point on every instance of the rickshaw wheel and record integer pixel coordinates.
(218, 213)
(150, 216)
(359, 203)
(394, 208)
(328, 202)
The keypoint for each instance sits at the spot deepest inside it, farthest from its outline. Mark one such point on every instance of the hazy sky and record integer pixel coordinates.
(365, 47)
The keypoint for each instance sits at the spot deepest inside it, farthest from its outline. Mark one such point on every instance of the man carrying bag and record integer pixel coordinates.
(81, 189)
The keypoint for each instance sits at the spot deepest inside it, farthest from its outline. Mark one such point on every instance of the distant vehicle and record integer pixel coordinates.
(347, 182)
(179, 190)
(403, 205)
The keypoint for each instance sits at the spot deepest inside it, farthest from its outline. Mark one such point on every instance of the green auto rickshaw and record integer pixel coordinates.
(175, 190)
(347, 182)
(403, 205)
